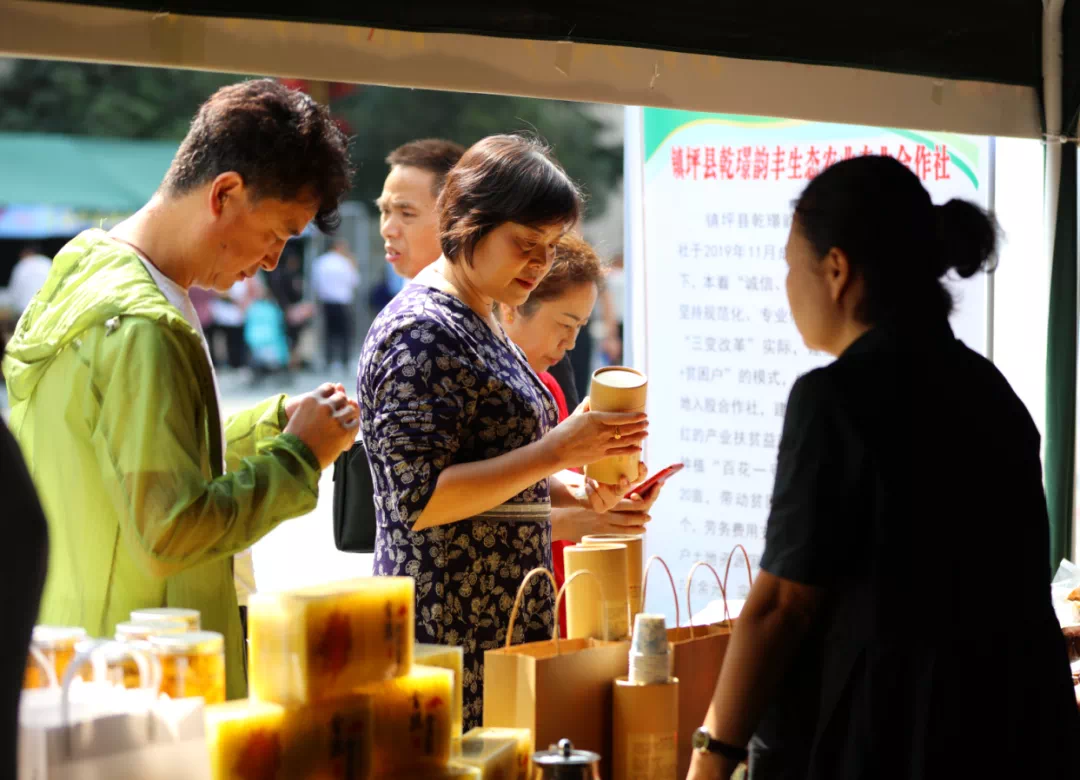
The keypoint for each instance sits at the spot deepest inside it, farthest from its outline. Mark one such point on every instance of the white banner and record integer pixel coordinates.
(709, 316)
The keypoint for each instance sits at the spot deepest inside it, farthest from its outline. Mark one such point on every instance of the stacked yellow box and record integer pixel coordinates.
(452, 658)
(448, 772)
(326, 641)
(520, 738)
(412, 721)
(495, 757)
(335, 692)
(252, 739)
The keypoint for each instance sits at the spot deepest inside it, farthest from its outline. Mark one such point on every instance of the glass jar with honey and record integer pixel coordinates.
(192, 664)
(55, 646)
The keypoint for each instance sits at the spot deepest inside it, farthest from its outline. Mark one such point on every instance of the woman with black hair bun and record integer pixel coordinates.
(901, 626)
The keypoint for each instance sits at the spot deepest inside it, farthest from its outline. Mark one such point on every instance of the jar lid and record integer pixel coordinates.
(140, 629)
(190, 643)
(57, 637)
(621, 377)
(189, 616)
(564, 754)
(613, 538)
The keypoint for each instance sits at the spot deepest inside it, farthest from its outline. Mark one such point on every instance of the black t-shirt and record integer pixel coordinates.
(909, 488)
(22, 578)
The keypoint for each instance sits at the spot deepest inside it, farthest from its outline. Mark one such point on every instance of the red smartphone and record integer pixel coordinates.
(659, 478)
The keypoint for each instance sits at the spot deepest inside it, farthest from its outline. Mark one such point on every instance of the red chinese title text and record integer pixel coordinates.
(763, 163)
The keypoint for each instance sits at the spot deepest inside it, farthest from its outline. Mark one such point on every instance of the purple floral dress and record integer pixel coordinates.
(438, 387)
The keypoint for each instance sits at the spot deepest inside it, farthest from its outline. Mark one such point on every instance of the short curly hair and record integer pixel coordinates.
(503, 178)
(283, 144)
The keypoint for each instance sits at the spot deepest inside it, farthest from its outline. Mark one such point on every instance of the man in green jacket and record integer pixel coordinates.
(148, 494)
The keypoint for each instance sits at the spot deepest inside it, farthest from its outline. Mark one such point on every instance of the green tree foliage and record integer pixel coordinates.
(158, 103)
(38, 96)
(383, 118)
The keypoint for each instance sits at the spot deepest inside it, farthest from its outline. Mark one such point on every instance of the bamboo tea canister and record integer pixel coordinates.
(616, 389)
(645, 722)
(635, 563)
(587, 610)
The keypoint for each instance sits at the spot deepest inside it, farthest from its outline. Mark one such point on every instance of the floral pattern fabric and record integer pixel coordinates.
(438, 387)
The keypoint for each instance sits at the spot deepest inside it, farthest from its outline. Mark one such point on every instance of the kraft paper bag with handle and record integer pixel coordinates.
(697, 653)
(558, 689)
(98, 731)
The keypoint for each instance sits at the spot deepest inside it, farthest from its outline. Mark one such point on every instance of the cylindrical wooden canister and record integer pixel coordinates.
(635, 563)
(616, 389)
(588, 612)
(645, 722)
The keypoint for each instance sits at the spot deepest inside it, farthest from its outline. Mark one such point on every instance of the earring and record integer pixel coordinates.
(510, 316)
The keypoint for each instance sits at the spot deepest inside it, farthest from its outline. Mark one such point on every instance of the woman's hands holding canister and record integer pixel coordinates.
(586, 437)
(627, 516)
(602, 498)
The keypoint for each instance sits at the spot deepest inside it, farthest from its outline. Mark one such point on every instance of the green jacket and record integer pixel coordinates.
(113, 404)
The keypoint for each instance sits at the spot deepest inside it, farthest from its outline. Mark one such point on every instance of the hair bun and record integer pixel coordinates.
(967, 237)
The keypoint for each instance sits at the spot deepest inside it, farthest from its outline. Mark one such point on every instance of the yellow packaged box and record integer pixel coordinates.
(449, 772)
(412, 720)
(495, 757)
(452, 658)
(325, 641)
(326, 741)
(523, 746)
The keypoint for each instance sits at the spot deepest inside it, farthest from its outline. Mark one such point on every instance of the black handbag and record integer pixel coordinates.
(354, 502)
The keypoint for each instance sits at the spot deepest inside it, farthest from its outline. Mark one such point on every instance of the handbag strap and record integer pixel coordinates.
(746, 557)
(517, 604)
(148, 665)
(562, 591)
(689, 588)
(645, 586)
(47, 668)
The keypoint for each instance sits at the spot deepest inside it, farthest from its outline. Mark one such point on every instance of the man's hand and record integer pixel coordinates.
(326, 421)
(292, 403)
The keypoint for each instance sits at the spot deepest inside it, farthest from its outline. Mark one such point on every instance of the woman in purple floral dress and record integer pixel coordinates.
(460, 432)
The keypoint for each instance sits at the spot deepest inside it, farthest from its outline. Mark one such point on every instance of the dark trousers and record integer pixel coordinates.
(338, 326)
(235, 346)
(581, 360)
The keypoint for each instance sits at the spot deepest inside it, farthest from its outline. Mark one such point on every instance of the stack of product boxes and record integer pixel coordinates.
(335, 692)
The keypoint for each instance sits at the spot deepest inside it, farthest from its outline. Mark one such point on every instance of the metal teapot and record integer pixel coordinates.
(562, 762)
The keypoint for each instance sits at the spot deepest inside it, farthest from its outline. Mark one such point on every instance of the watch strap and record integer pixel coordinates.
(724, 749)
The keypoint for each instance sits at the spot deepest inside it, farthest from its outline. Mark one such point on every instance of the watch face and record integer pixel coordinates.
(700, 740)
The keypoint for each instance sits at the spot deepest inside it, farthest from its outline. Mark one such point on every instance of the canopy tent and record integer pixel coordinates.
(99, 175)
(957, 65)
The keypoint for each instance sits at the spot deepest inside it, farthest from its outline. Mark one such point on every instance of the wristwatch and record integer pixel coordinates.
(703, 742)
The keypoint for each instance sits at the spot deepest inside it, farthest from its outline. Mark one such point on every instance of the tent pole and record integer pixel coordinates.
(1060, 200)
(1053, 66)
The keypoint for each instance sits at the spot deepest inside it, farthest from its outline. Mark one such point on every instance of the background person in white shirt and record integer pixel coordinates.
(335, 279)
(27, 277)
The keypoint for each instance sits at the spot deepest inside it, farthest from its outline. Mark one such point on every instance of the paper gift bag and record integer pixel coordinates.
(558, 689)
(697, 653)
(98, 731)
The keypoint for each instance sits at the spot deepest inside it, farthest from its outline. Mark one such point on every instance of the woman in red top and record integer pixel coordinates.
(546, 327)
